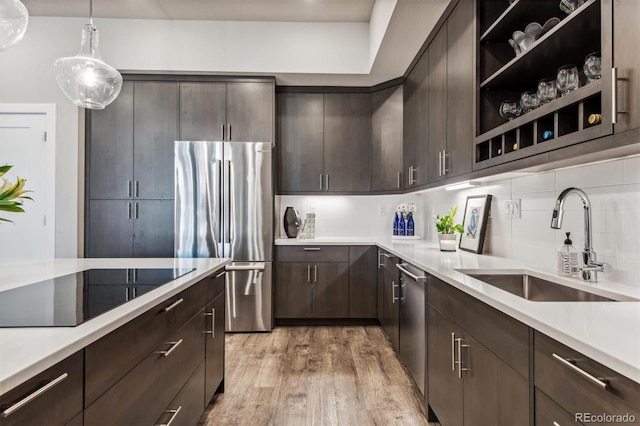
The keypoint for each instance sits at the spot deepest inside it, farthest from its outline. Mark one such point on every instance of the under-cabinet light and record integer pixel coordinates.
(461, 185)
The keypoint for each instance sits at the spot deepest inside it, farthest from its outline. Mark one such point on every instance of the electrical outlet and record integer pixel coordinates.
(512, 208)
(382, 210)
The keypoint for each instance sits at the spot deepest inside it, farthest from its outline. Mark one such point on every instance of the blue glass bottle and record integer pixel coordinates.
(396, 224)
(410, 226)
(402, 226)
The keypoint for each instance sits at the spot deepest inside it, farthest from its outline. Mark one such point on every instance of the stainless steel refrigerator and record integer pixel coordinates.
(224, 208)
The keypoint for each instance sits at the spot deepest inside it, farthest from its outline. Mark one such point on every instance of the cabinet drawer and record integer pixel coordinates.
(140, 397)
(388, 261)
(188, 406)
(569, 384)
(549, 413)
(312, 254)
(52, 397)
(215, 284)
(125, 347)
(501, 334)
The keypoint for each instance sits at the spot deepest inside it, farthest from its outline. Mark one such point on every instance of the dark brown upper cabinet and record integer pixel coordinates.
(626, 33)
(605, 26)
(227, 111)
(130, 143)
(457, 155)
(110, 148)
(347, 142)
(437, 111)
(324, 142)
(415, 124)
(386, 139)
(300, 142)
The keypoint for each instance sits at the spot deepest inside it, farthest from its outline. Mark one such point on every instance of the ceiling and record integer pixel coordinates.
(410, 23)
(219, 10)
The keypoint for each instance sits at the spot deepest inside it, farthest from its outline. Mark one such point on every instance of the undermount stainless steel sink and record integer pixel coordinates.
(539, 289)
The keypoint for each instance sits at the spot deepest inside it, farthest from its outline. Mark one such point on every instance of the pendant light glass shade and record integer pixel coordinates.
(85, 78)
(14, 19)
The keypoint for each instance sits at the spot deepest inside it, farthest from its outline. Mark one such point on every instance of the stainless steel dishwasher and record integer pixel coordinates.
(412, 322)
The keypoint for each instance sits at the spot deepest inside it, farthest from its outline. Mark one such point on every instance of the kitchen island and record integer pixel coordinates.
(115, 344)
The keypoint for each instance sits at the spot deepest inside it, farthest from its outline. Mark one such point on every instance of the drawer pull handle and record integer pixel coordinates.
(453, 351)
(556, 424)
(174, 414)
(220, 274)
(173, 305)
(580, 371)
(212, 314)
(18, 405)
(311, 249)
(173, 347)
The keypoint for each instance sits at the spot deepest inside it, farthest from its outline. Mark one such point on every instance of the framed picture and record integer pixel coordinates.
(476, 213)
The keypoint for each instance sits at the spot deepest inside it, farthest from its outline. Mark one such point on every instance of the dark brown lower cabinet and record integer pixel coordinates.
(312, 290)
(580, 385)
(142, 395)
(445, 388)
(468, 384)
(391, 307)
(550, 413)
(293, 290)
(186, 409)
(330, 290)
(362, 282)
(214, 346)
(58, 396)
(312, 282)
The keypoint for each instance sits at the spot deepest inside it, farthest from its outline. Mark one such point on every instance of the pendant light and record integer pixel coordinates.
(14, 19)
(85, 78)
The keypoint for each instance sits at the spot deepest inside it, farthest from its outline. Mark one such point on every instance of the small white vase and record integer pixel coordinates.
(448, 242)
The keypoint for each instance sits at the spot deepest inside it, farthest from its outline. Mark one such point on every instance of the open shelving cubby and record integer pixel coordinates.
(504, 75)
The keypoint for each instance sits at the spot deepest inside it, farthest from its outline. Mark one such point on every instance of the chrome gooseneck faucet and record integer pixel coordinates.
(591, 266)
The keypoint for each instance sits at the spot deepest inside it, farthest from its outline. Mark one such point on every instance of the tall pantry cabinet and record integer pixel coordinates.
(130, 172)
(129, 209)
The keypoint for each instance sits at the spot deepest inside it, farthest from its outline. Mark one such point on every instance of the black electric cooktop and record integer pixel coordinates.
(72, 299)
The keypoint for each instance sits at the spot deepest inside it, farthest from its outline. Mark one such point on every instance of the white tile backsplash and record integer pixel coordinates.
(613, 188)
(632, 170)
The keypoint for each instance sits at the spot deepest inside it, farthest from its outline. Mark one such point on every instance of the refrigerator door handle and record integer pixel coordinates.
(227, 223)
(245, 267)
(218, 173)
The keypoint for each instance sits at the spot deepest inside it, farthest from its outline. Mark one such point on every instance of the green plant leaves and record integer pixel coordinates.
(445, 225)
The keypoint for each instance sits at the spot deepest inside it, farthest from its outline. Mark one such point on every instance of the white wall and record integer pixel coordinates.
(613, 188)
(26, 72)
(614, 191)
(352, 216)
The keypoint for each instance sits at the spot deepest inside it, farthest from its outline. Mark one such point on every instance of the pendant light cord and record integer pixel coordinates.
(91, 12)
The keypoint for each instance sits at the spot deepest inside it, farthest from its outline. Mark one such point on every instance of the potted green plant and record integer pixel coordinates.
(11, 194)
(447, 229)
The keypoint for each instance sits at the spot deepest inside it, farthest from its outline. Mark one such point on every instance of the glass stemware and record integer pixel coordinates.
(510, 109)
(529, 101)
(547, 90)
(568, 79)
(592, 66)
(569, 6)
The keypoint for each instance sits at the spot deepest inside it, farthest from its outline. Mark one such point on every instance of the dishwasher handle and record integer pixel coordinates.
(421, 279)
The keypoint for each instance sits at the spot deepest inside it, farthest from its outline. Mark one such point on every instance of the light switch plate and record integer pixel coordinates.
(512, 208)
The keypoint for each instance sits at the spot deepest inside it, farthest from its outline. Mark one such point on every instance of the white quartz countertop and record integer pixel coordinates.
(608, 332)
(25, 352)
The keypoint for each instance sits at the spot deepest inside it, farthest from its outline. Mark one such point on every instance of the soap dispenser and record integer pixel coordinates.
(568, 259)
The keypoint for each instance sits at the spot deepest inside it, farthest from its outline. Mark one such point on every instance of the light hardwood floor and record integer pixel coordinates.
(315, 376)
